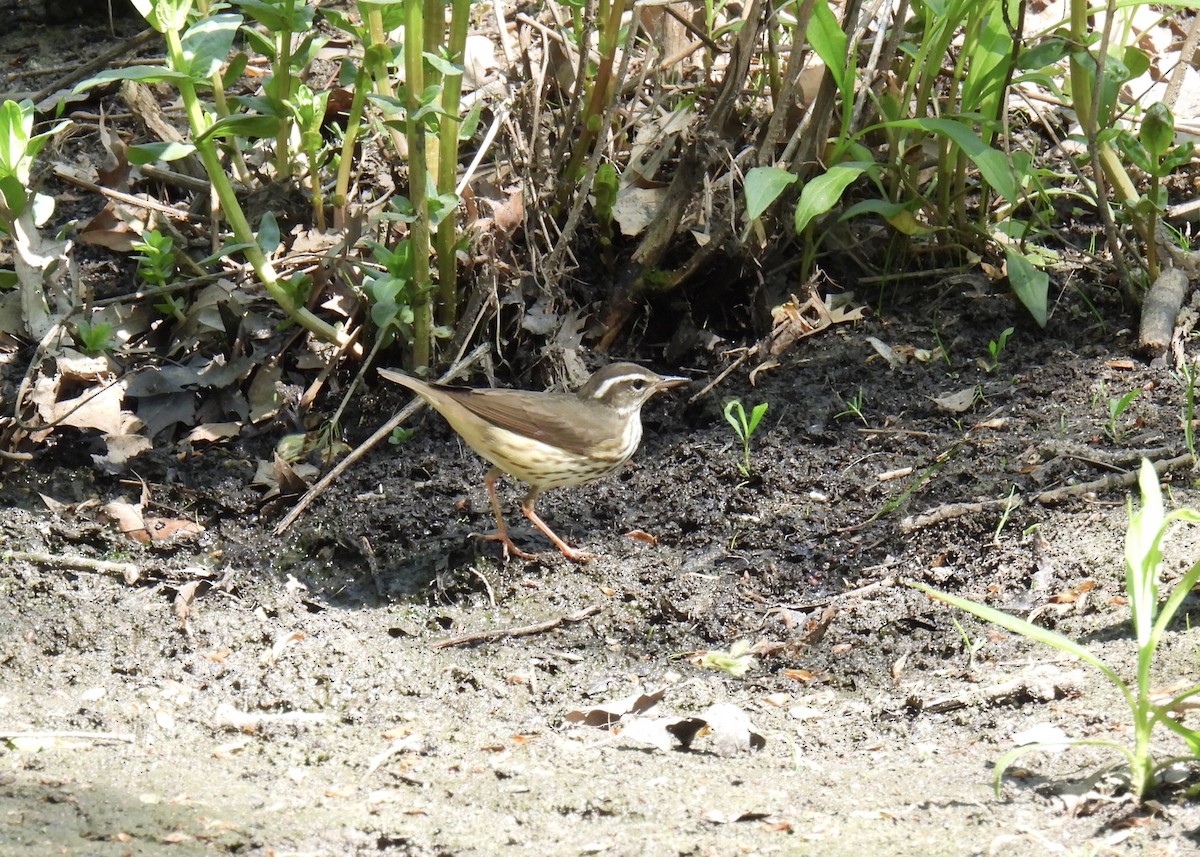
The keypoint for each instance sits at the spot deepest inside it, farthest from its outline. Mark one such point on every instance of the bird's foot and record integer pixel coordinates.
(506, 544)
(576, 555)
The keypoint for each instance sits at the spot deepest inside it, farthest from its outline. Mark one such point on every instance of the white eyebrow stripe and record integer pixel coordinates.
(602, 391)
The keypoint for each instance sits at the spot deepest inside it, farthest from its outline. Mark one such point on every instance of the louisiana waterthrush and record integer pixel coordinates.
(547, 440)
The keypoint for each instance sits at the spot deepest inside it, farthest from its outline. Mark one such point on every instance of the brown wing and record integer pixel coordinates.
(560, 419)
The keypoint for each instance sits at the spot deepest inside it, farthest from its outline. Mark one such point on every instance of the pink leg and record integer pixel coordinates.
(568, 551)
(501, 534)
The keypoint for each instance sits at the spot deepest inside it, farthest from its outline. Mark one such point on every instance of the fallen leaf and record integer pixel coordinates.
(609, 713)
(958, 402)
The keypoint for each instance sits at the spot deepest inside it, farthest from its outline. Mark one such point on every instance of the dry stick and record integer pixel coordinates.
(1159, 310)
(386, 429)
(103, 61)
(126, 198)
(1117, 480)
(1046, 498)
(948, 511)
(1190, 43)
(524, 631)
(128, 571)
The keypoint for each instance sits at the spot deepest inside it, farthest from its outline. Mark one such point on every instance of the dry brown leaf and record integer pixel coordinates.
(213, 432)
(609, 713)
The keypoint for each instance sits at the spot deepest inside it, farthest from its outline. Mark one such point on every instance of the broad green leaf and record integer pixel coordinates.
(249, 125)
(897, 214)
(279, 17)
(1158, 129)
(1029, 284)
(763, 186)
(13, 191)
(992, 163)
(828, 40)
(148, 153)
(1046, 52)
(268, 233)
(42, 209)
(144, 73)
(16, 123)
(442, 64)
(823, 192)
(207, 44)
(470, 123)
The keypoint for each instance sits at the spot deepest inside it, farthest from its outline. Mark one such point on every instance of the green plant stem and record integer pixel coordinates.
(232, 209)
(375, 59)
(447, 168)
(414, 85)
(234, 144)
(609, 16)
(1085, 101)
(283, 91)
(345, 163)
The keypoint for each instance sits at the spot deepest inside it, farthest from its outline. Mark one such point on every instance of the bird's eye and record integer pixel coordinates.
(638, 385)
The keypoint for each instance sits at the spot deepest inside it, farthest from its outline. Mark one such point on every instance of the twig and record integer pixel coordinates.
(103, 61)
(1108, 483)
(125, 198)
(1124, 479)
(524, 631)
(130, 572)
(386, 429)
(957, 510)
(724, 374)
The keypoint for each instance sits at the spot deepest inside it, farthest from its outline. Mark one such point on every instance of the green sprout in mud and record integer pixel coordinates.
(744, 427)
(155, 258)
(996, 349)
(853, 407)
(736, 662)
(1116, 407)
(1188, 371)
(94, 338)
(1148, 707)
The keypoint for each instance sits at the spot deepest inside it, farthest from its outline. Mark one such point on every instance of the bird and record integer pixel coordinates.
(547, 439)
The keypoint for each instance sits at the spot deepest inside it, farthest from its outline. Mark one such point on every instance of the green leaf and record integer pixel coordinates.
(268, 233)
(469, 123)
(763, 186)
(207, 44)
(992, 163)
(443, 65)
(16, 123)
(144, 73)
(1158, 129)
(756, 415)
(259, 41)
(42, 209)
(823, 192)
(1029, 284)
(248, 125)
(148, 153)
(828, 40)
(1046, 52)
(13, 191)
(1026, 629)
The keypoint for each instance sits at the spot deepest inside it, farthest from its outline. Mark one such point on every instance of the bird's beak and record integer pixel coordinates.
(670, 381)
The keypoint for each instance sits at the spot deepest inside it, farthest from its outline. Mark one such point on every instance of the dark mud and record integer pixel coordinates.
(123, 729)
